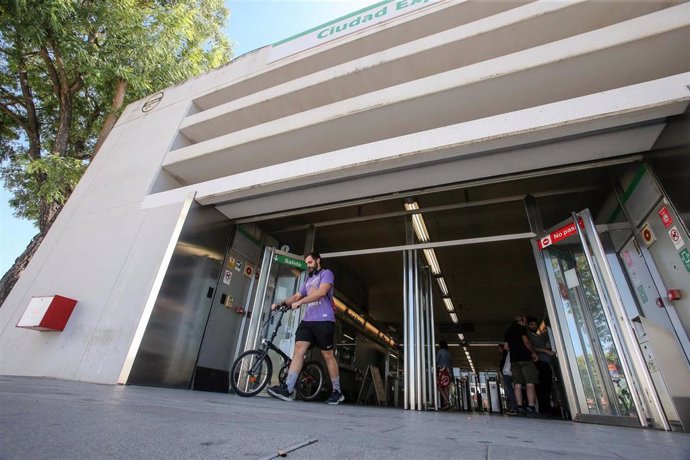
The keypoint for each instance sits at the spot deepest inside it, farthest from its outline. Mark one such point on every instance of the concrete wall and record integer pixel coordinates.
(104, 250)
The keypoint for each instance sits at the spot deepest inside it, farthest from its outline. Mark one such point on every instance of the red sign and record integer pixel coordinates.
(560, 234)
(665, 217)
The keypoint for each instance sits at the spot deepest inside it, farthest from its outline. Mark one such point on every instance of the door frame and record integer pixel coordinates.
(258, 302)
(619, 323)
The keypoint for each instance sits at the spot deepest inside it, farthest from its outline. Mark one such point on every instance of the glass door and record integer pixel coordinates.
(281, 274)
(587, 310)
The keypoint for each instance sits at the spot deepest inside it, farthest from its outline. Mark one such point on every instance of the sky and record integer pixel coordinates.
(253, 24)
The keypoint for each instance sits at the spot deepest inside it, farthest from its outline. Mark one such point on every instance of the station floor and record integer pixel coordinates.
(42, 418)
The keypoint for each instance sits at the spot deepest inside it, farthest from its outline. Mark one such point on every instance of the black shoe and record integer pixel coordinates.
(281, 392)
(335, 398)
(521, 411)
(530, 412)
(511, 412)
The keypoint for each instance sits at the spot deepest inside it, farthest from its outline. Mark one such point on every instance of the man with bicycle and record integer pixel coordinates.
(317, 327)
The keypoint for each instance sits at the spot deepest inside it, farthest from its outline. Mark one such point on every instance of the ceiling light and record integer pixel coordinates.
(442, 285)
(461, 336)
(454, 317)
(418, 222)
(449, 304)
(411, 206)
(420, 228)
(433, 262)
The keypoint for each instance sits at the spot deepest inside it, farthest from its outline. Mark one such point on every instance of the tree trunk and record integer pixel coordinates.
(113, 115)
(10, 278)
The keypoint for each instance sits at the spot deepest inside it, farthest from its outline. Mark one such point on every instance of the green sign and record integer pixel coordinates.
(685, 257)
(285, 260)
(643, 295)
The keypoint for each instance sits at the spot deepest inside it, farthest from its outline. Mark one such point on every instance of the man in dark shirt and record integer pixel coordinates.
(522, 358)
(540, 344)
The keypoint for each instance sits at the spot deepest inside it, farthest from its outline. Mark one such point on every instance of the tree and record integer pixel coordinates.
(67, 68)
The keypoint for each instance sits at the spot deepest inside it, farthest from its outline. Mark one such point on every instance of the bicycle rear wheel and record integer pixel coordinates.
(310, 381)
(250, 373)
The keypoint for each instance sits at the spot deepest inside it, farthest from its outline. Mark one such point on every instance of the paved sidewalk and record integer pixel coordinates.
(44, 418)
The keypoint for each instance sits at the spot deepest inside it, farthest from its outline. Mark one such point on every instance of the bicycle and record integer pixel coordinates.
(252, 370)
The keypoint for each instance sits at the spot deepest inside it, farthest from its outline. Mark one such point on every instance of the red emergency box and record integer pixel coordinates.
(47, 313)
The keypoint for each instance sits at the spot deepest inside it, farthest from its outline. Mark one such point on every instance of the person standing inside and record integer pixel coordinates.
(443, 373)
(317, 327)
(507, 376)
(540, 344)
(522, 357)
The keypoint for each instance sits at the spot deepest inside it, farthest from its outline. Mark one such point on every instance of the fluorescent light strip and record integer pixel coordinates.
(418, 222)
(461, 336)
(442, 286)
(454, 317)
(449, 305)
(420, 228)
(433, 262)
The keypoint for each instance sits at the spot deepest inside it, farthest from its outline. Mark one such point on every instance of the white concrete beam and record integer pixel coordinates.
(576, 117)
(376, 115)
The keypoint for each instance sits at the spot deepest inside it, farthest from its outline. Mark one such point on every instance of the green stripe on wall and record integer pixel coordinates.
(631, 188)
(248, 236)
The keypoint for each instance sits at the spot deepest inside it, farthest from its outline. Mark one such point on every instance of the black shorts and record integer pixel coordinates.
(318, 332)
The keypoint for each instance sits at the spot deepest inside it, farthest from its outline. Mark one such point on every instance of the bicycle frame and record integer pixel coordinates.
(280, 352)
(267, 344)
(309, 383)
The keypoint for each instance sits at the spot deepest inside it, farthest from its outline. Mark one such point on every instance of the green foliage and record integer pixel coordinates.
(44, 180)
(61, 62)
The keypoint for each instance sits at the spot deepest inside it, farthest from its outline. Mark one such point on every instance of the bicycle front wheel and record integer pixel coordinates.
(250, 373)
(310, 381)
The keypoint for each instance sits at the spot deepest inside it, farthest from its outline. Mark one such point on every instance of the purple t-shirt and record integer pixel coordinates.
(322, 309)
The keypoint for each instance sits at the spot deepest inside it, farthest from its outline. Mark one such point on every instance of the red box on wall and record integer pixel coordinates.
(47, 313)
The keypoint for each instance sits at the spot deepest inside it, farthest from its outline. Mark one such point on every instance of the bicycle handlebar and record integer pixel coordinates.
(283, 307)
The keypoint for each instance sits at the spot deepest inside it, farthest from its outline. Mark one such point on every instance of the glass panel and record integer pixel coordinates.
(601, 383)
(282, 281)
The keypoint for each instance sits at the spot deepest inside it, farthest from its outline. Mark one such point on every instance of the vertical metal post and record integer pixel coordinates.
(416, 332)
(424, 305)
(309, 239)
(406, 332)
(259, 298)
(410, 345)
(432, 340)
(533, 215)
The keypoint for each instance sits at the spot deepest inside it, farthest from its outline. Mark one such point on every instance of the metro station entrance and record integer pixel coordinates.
(458, 263)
